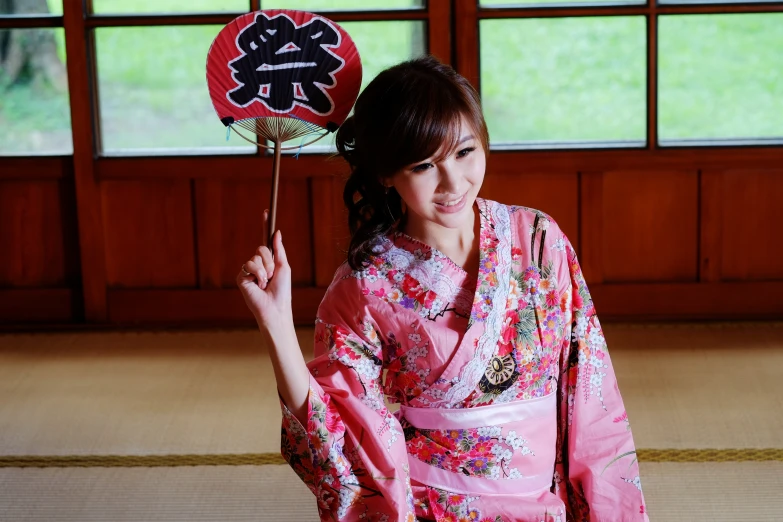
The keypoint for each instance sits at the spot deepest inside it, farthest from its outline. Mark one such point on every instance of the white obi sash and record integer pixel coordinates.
(534, 420)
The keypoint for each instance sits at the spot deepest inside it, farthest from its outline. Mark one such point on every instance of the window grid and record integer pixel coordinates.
(100, 21)
(462, 52)
(469, 13)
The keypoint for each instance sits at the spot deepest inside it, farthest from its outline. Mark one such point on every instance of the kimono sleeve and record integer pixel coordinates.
(597, 472)
(351, 454)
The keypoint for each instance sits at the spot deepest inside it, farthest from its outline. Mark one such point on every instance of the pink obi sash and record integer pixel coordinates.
(506, 448)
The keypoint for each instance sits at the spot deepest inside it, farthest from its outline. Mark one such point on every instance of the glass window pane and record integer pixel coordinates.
(383, 44)
(35, 116)
(156, 97)
(564, 80)
(720, 76)
(55, 6)
(21, 8)
(380, 45)
(338, 5)
(169, 6)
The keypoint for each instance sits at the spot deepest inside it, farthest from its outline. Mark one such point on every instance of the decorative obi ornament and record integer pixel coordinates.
(503, 448)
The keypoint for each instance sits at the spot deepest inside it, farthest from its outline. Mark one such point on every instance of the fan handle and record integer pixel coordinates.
(273, 204)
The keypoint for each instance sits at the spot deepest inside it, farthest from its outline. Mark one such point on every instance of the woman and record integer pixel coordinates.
(472, 315)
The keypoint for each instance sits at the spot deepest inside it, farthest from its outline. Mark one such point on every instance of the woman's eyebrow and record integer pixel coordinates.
(461, 140)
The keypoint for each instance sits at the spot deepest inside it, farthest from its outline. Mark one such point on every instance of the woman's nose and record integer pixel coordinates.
(451, 181)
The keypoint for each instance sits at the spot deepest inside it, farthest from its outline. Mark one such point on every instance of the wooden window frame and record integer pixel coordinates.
(469, 13)
(453, 36)
(86, 168)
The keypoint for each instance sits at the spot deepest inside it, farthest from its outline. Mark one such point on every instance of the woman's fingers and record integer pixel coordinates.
(263, 264)
(264, 251)
(256, 267)
(265, 228)
(282, 259)
(266, 260)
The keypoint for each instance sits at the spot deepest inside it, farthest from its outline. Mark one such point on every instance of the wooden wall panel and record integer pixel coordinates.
(591, 226)
(36, 168)
(710, 225)
(689, 301)
(148, 233)
(242, 209)
(509, 161)
(37, 234)
(208, 197)
(235, 166)
(557, 194)
(650, 226)
(36, 305)
(752, 236)
(331, 237)
(154, 241)
(199, 307)
(631, 301)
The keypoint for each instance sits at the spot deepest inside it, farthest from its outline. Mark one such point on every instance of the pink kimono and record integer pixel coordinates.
(509, 407)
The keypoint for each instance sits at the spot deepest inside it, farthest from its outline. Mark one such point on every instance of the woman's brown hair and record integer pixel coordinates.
(405, 115)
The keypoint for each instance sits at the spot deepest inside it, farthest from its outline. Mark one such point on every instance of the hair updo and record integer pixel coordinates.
(405, 115)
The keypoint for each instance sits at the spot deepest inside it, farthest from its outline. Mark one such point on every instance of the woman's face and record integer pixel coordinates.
(426, 186)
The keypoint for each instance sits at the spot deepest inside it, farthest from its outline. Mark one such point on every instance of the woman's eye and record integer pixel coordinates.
(422, 167)
(465, 152)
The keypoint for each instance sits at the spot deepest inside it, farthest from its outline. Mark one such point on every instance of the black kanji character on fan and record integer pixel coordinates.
(283, 63)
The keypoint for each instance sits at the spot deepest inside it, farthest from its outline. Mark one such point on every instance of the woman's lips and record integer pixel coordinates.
(456, 206)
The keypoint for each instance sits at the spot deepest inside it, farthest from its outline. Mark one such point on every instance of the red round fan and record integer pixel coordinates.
(281, 74)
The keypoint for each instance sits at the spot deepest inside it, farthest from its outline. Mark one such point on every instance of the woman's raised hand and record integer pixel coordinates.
(265, 282)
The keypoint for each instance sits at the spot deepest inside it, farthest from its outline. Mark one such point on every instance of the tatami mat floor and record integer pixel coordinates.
(212, 393)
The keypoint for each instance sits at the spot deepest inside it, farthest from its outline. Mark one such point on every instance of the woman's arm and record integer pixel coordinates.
(597, 462)
(337, 434)
(265, 282)
(291, 372)
(350, 450)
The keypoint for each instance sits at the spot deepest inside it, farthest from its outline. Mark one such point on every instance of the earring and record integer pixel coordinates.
(386, 190)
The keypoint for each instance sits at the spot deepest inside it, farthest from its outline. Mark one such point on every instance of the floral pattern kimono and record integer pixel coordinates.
(509, 406)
